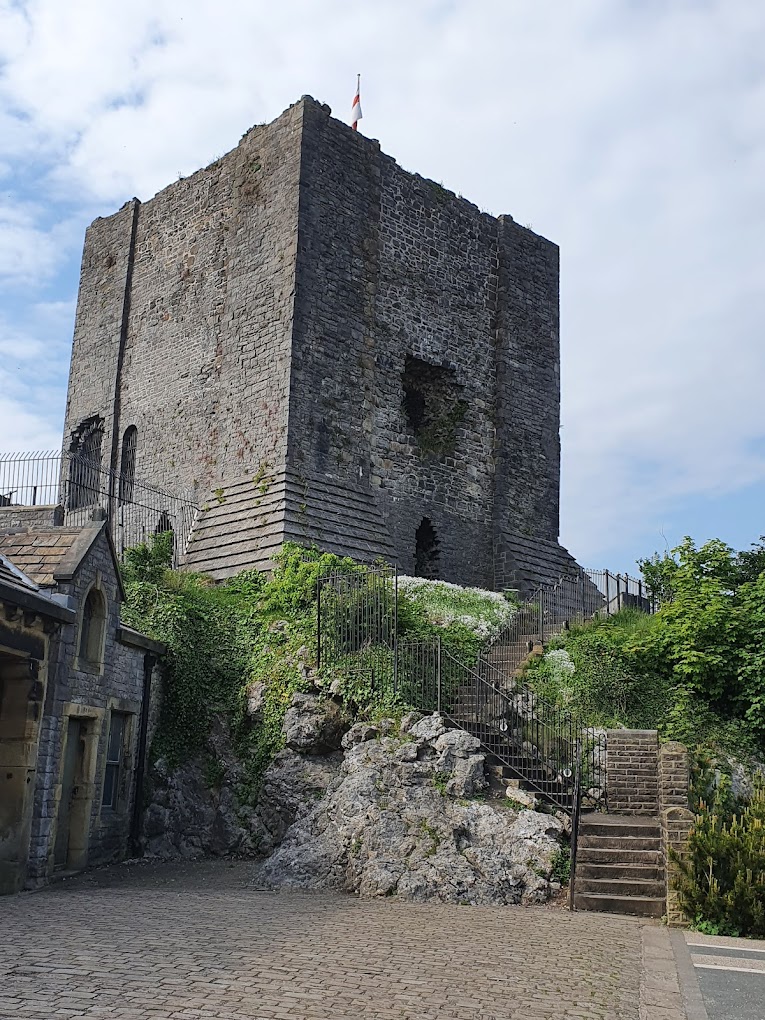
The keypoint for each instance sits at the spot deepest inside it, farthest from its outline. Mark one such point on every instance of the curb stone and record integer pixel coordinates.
(660, 994)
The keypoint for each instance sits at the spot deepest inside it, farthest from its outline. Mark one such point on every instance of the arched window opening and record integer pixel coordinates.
(426, 553)
(85, 464)
(127, 464)
(92, 628)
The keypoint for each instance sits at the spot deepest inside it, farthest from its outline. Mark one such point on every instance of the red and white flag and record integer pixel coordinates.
(356, 111)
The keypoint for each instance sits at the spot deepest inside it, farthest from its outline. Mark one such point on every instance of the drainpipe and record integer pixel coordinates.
(149, 662)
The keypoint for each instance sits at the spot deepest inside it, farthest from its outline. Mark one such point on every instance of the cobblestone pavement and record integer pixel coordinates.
(197, 942)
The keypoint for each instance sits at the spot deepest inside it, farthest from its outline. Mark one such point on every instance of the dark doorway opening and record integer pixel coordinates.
(426, 553)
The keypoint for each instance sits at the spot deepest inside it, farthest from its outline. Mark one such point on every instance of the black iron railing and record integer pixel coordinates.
(541, 743)
(78, 486)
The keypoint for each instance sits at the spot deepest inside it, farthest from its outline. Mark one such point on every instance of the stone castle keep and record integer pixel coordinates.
(318, 346)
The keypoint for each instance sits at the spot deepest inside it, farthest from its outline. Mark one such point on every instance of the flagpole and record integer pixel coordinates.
(356, 109)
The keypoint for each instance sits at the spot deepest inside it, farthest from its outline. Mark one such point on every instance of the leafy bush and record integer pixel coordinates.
(484, 613)
(594, 671)
(221, 639)
(721, 878)
(695, 669)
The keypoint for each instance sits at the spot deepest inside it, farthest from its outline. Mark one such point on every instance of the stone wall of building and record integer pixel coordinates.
(89, 692)
(416, 274)
(305, 313)
(184, 318)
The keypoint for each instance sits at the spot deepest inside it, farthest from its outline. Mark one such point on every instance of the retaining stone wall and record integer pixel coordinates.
(632, 772)
(32, 517)
(676, 817)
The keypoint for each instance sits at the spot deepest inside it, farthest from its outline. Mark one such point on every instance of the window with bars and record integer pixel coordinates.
(85, 483)
(127, 464)
(115, 759)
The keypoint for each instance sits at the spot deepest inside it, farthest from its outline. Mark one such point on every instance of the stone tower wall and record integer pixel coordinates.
(392, 265)
(204, 326)
(258, 318)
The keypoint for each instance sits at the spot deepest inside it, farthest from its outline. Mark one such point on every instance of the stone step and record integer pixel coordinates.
(626, 826)
(619, 887)
(619, 872)
(621, 843)
(620, 856)
(642, 906)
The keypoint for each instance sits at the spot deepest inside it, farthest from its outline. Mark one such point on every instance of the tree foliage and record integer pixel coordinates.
(721, 877)
(695, 669)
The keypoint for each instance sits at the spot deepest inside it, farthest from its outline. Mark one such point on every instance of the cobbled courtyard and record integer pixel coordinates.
(199, 942)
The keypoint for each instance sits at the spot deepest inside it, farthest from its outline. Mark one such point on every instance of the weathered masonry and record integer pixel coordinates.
(319, 346)
(79, 696)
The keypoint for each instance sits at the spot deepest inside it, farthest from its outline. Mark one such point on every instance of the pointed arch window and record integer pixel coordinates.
(127, 464)
(85, 464)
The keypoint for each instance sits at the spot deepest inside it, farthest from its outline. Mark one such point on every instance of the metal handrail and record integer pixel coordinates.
(551, 744)
(135, 509)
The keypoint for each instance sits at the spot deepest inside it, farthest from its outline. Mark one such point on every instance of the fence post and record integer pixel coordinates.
(318, 623)
(395, 629)
(438, 674)
(541, 616)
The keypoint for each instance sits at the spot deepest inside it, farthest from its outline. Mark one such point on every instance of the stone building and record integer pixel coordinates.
(77, 702)
(318, 346)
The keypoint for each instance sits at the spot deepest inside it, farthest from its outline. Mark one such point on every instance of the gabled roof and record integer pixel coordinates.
(38, 553)
(20, 590)
(52, 555)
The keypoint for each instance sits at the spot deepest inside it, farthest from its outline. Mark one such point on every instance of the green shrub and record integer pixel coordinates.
(721, 879)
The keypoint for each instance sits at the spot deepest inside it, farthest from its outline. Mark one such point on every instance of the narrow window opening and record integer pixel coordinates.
(115, 759)
(432, 404)
(127, 464)
(92, 627)
(427, 552)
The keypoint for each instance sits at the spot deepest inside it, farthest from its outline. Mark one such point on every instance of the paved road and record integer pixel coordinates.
(730, 974)
(197, 942)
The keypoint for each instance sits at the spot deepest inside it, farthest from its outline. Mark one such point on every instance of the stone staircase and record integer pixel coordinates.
(620, 857)
(620, 865)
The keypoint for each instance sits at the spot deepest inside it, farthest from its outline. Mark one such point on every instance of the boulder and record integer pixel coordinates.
(291, 785)
(256, 700)
(396, 821)
(314, 724)
(428, 729)
(359, 733)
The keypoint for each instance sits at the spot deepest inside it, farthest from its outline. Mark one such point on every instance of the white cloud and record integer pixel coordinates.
(632, 134)
(34, 349)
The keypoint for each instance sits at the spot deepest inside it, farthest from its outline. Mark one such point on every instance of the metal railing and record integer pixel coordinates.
(135, 510)
(541, 743)
(620, 591)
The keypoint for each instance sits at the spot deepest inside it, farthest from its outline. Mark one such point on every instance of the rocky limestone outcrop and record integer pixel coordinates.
(398, 819)
(373, 808)
(190, 814)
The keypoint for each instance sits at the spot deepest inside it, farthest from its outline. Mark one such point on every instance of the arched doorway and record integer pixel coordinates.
(426, 553)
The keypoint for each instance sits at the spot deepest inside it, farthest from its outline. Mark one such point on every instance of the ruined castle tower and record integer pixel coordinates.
(321, 347)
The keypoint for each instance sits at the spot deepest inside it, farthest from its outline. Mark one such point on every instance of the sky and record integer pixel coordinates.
(630, 132)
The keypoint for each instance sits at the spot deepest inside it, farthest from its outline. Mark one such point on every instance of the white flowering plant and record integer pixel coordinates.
(484, 613)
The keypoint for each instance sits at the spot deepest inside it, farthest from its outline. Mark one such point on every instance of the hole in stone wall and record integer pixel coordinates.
(432, 404)
(426, 553)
